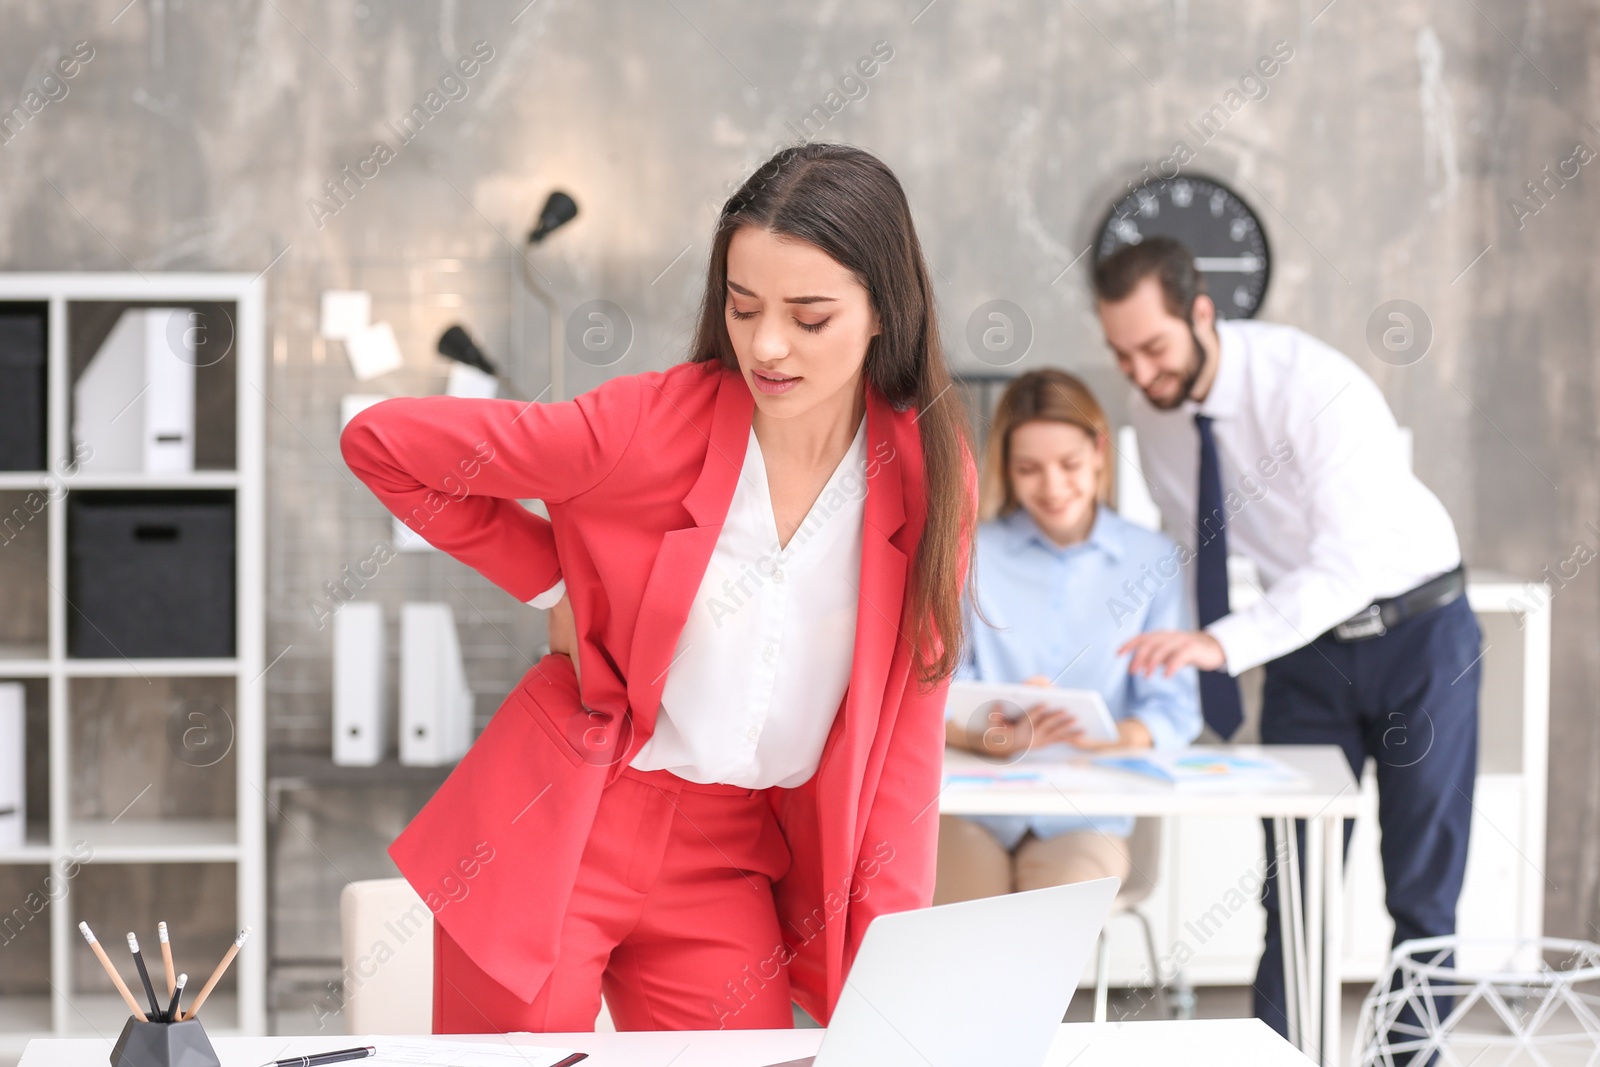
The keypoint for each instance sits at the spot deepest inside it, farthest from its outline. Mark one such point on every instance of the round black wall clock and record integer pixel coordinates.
(1229, 245)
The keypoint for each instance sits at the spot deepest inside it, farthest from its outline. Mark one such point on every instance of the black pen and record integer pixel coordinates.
(570, 1060)
(319, 1058)
(144, 975)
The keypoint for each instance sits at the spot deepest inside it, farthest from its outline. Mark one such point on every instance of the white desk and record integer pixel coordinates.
(1200, 1043)
(1328, 795)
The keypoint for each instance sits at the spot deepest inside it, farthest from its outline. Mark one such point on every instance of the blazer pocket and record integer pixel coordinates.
(522, 853)
(585, 736)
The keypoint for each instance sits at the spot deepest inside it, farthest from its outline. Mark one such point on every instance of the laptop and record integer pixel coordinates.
(962, 985)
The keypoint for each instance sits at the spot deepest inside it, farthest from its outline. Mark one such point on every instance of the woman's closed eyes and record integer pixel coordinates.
(812, 327)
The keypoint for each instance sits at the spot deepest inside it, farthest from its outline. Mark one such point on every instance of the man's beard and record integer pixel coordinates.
(1197, 364)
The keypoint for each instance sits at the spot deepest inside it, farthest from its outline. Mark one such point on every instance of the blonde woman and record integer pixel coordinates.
(1063, 583)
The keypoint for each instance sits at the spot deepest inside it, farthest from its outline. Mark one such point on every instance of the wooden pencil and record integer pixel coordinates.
(166, 956)
(216, 975)
(105, 961)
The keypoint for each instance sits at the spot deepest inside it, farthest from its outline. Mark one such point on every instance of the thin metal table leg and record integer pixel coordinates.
(1285, 847)
(1102, 978)
(1333, 949)
(1314, 929)
(1307, 1042)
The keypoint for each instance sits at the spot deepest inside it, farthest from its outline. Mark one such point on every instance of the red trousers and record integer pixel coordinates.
(672, 916)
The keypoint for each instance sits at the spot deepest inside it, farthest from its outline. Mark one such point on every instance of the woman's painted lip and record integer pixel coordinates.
(773, 386)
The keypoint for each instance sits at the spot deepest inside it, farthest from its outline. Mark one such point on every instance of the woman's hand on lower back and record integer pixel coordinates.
(564, 631)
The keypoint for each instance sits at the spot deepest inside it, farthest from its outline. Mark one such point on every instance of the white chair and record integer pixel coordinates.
(386, 944)
(1144, 847)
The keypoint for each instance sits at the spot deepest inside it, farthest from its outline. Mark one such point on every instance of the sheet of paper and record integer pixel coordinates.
(444, 1052)
(471, 382)
(352, 404)
(1208, 767)
(373, 350)
(988, 779)
(344, 311)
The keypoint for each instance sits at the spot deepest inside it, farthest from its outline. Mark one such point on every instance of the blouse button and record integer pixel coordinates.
(769, 653)
(777, 574)
(752, 733)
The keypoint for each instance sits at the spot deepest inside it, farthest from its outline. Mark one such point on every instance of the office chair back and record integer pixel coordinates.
(386, 944)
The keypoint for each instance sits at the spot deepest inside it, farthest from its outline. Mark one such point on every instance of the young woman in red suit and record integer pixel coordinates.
(730, 761)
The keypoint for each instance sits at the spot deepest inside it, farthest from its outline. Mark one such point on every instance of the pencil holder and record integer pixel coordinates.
(153, 1044)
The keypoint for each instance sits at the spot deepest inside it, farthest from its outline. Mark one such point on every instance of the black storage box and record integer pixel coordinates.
(22, 387)
(150, 573)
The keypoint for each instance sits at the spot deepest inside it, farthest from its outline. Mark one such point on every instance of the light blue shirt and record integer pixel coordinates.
(1063, 613)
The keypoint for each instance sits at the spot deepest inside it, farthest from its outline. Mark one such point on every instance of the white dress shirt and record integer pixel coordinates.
(1316, 485)
(763, 661)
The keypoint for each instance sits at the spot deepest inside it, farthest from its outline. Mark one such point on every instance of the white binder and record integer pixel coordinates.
(360, 717)
(435, 701)
(13, 765)
(133, 405)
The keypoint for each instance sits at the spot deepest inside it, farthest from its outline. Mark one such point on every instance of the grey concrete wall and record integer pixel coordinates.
(1383, 161)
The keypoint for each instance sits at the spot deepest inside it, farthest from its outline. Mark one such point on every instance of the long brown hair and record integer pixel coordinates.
(1050, 394)
(847, 203)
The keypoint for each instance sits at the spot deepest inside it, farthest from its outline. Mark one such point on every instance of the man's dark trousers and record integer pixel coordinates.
(1409, 700)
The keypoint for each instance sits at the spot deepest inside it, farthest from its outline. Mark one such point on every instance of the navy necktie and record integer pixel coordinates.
(1219, 692)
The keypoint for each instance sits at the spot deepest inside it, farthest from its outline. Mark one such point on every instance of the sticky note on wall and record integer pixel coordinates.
(345, 311)
(373, 350)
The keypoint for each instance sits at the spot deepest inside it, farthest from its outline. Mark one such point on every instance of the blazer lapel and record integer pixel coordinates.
(684, 555)
(843, 780)
(882, 580)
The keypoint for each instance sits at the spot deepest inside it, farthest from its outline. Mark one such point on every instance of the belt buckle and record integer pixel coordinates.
(1368, 622)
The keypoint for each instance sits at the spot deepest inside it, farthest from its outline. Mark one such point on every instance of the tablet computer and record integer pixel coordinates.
(966, 700)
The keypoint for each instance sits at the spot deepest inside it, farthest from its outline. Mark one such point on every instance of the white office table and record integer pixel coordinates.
(1327, 795)
(1198, 1043)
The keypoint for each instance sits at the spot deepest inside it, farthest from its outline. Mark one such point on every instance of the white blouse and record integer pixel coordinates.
(763, 660)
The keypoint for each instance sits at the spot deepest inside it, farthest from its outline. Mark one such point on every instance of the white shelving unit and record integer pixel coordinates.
(238, 841)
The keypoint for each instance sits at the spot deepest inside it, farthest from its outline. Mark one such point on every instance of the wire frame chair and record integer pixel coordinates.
(1428, 1008)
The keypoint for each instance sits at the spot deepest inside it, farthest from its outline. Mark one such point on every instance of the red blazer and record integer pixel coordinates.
(637, 476)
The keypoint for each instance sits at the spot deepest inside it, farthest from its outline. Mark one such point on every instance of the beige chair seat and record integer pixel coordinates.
(386, 944)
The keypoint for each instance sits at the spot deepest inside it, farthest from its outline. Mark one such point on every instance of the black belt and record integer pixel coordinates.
(1380, 616)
